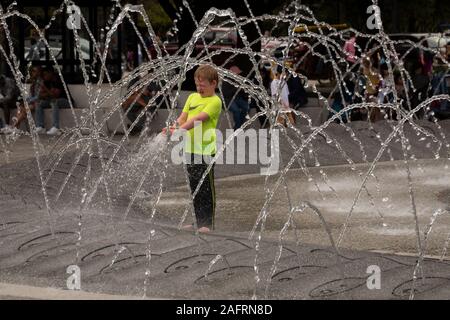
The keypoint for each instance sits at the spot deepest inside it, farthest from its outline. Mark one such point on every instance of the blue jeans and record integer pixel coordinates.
(55, 104)
(239, 108)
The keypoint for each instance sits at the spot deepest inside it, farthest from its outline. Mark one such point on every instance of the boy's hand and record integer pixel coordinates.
(172, 128)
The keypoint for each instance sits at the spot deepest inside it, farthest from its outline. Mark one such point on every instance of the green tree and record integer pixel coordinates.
(160, 20)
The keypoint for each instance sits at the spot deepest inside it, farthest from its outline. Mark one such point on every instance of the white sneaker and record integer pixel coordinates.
(54, 131)
(39, 130)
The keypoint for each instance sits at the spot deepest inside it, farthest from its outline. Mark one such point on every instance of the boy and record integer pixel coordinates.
(201, 109)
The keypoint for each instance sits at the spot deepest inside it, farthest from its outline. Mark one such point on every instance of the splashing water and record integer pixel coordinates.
(114, 166)
(129, 169)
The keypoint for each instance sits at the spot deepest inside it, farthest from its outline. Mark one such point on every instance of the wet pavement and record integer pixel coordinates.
(117, 258)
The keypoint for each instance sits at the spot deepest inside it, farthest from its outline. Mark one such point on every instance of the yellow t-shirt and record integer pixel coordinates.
(202, 140)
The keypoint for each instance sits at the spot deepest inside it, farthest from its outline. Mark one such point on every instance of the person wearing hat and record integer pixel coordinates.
(236, 100)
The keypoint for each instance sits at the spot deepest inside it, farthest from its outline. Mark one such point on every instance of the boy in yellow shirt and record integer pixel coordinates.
(201, 109)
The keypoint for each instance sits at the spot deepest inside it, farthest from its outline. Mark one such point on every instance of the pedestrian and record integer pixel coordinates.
(342, 97)
(33, 99)
(350, 49)
(52, 96)
(280, 92)
(36, 51)
(9, 94)
(202, 109)
(236, 100)
(139, 102)
(427, 58)
(297, 93)
(372, 81)
(130, 58)
(265, 72)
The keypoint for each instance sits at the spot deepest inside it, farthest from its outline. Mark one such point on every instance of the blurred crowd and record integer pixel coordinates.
(46, 91)
(374, 81)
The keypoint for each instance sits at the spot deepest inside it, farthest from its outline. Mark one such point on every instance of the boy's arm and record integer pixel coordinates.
(182, 118)
(212, 110)
(187, 125)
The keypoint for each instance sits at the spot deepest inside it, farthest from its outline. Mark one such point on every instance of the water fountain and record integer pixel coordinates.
(112, 203)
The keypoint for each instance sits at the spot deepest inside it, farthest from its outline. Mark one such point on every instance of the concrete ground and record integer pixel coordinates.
(122, 251)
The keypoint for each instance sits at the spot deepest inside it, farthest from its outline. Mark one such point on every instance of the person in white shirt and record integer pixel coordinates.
(280, 92)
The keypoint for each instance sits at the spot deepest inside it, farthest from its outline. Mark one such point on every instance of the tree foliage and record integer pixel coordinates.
(159, 19)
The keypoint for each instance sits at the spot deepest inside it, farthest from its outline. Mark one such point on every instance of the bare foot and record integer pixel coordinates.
(204, 230)
(188, 227)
